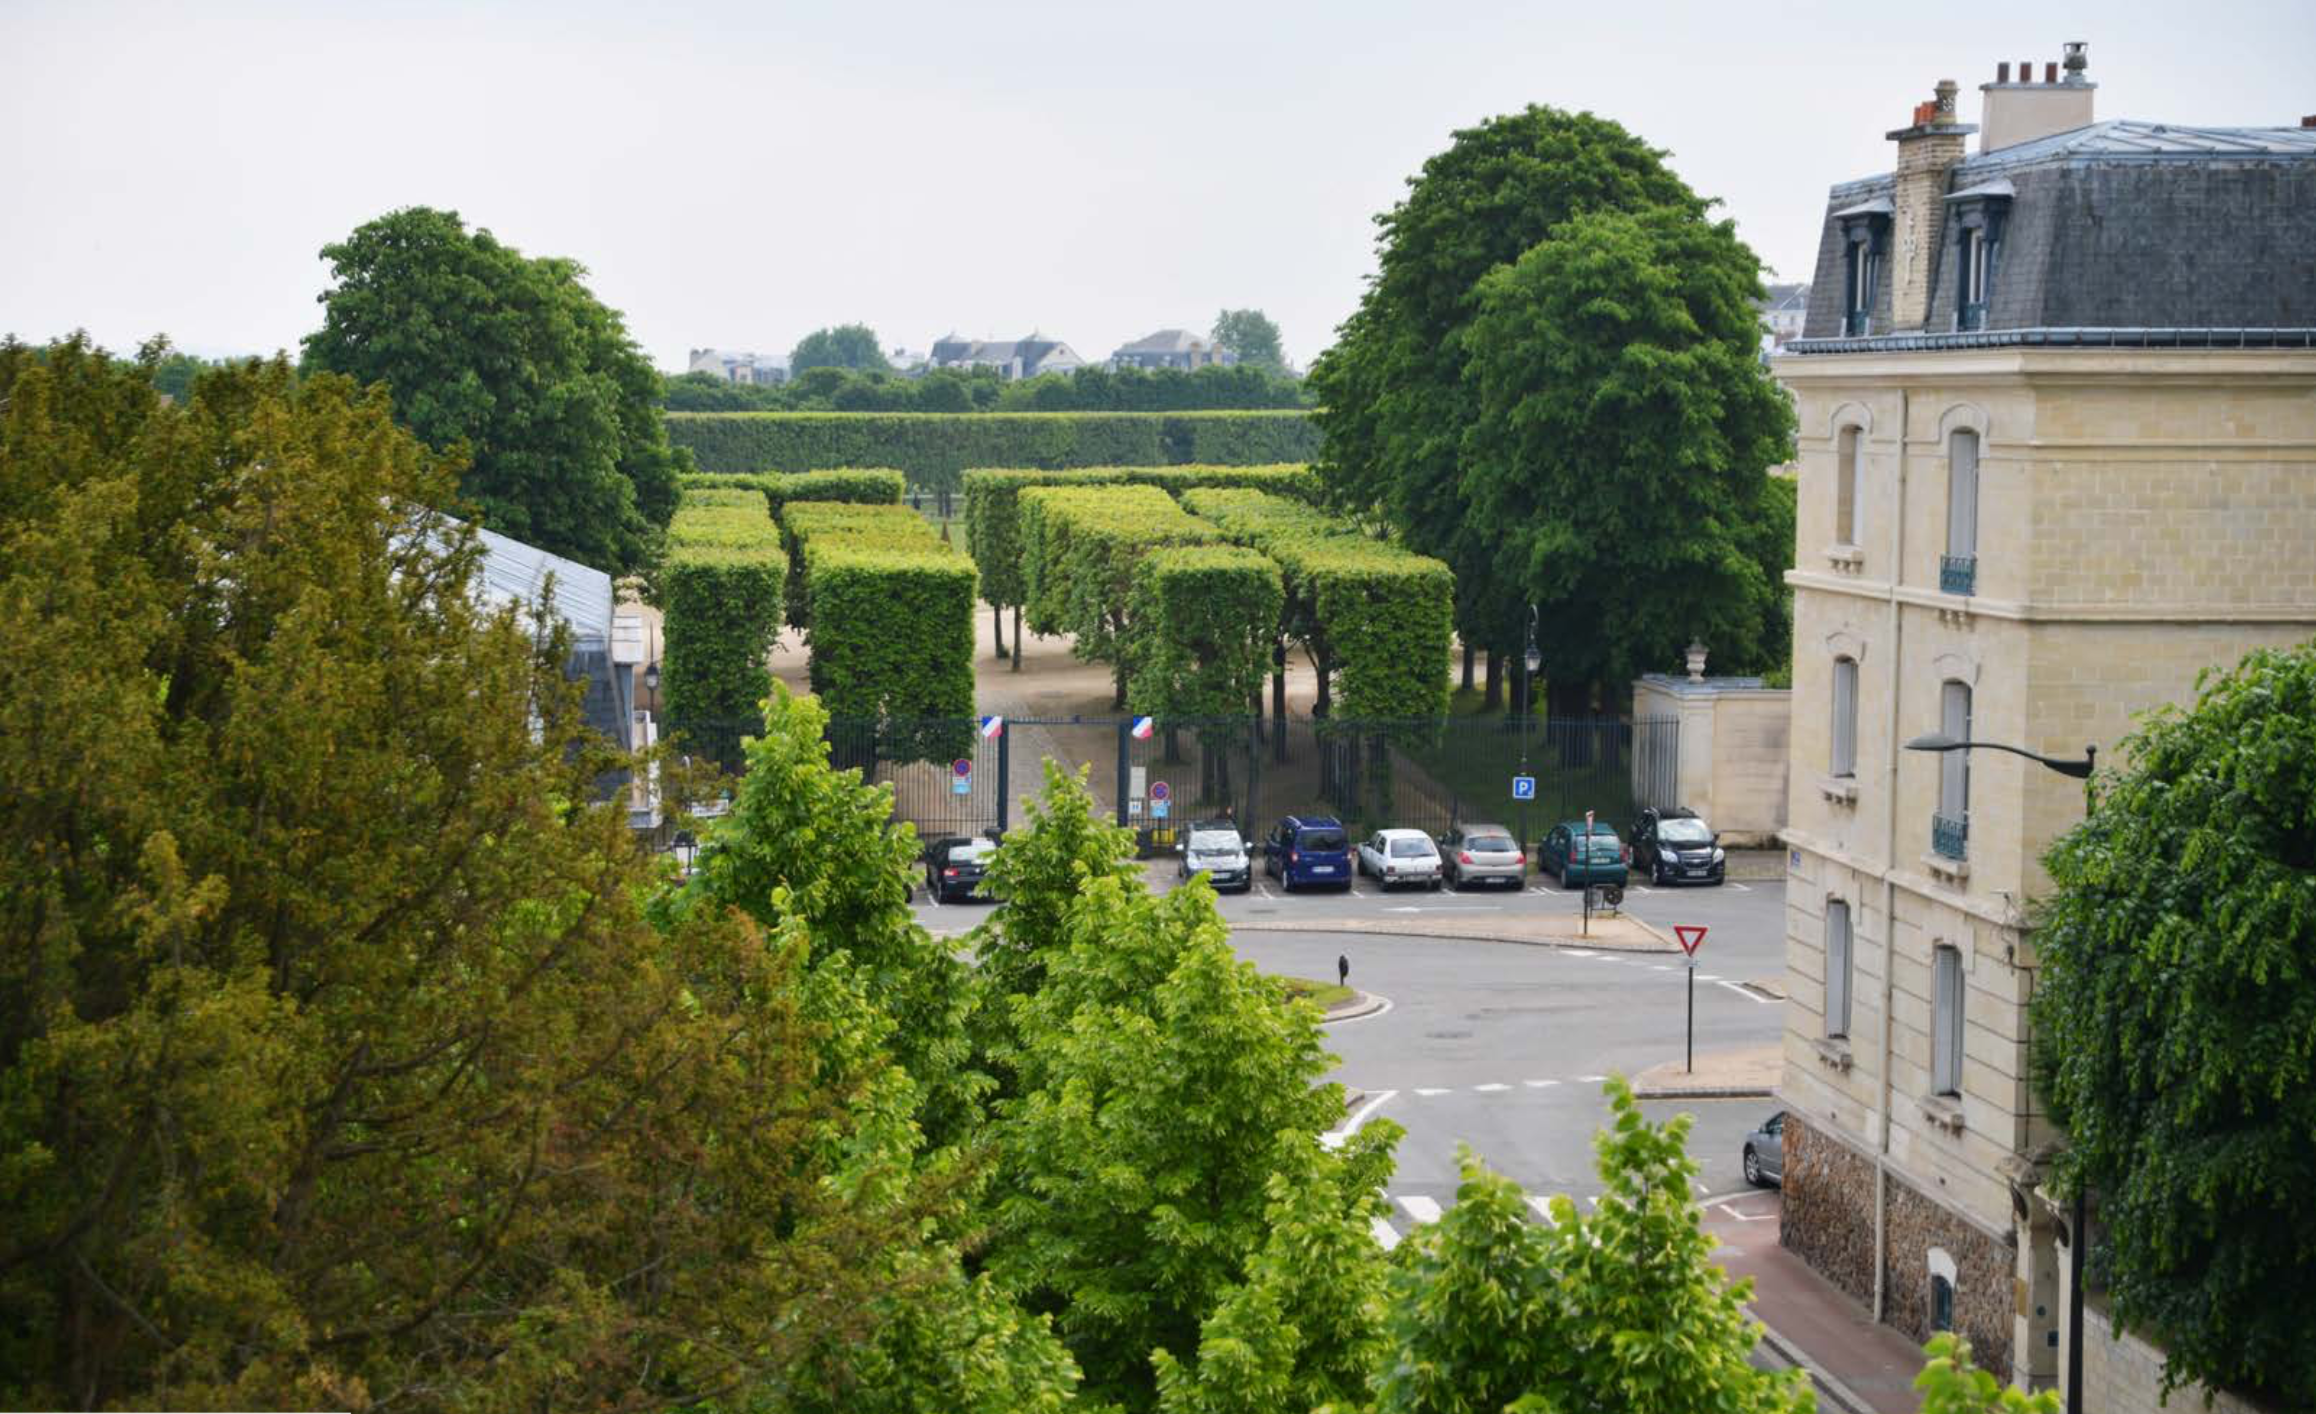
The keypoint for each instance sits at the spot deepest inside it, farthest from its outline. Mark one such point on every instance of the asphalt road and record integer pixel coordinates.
(1502, 1046)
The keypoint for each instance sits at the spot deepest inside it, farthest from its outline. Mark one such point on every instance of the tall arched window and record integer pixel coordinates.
(1958, 568)
(1846, 487)
(1845, 717)
(1950, 831)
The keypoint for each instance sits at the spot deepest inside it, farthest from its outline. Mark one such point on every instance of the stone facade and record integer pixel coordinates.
(1731, 752)
(2143, 515)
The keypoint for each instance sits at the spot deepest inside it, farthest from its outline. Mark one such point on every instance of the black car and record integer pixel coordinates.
(954, 865)
(1674, 846)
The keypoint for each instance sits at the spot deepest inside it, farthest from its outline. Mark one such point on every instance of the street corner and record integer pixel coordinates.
(1746, 1072)
(1362, 1004)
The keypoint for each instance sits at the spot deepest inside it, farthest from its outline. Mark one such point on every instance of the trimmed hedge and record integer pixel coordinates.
(1203, 617)
(871, 486)
(1289, 479)
(1079, 547)
(719, 589)
(1378, 616)
(933, 449)
(891, 631)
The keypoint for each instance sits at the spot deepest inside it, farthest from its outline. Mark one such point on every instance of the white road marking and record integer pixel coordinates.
(1334, 1138)
(1746, 1217)
(1740, 991)
(1592, 1079)
(1729, 1197)
(1660, 967)
(1543, 1207)
(1741, 888)
(1385, 1233)
(1427, 1094)
(1539, 1084)
(1707, 977)
(1422, 1209)
(1490, 1089)
(1579, 952)
(1369, 1016)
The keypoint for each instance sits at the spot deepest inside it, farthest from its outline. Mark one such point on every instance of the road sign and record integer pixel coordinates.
(1159, 790)
(1523, 787)
(963, 766)
(1691, 936)
(1157, 807)
(961, 785)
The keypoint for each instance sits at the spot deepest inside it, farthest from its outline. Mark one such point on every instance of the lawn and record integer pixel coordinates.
(1326, 994)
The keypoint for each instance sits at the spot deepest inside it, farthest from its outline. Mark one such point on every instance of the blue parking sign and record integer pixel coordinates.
(1523, 787)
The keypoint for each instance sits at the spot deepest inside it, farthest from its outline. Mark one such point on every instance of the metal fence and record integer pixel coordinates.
(963, 776)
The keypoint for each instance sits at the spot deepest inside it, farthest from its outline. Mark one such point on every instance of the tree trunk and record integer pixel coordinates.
(1323, 665)
(997, 623)
(1494, 700)
(1118, 695)
(1017, 638)
(1470, 653)
(1279, 701)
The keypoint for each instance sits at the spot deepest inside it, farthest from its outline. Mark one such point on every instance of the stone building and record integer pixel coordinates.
(2057, 453)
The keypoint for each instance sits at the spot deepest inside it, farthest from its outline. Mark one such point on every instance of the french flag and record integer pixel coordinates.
(1143, 727)
(992, 727)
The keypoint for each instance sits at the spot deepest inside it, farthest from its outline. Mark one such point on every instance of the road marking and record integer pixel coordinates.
(1543, 1207)
(1266, 889)
(1427, 1094)
(1385, 1233)
(1707, 977)
(1591, 1079)
(1660, 967)
(1740, 991)
(1368, 1016)
(1579, 952)
(1729, 1197)
(1741, 888)
(1422, 1209)
(1539, 1084)
(1746, 1217)
(1490, 1088)
(1334, 1138)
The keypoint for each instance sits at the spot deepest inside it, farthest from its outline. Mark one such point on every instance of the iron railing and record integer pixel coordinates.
(1958, 574)
(1950, 836)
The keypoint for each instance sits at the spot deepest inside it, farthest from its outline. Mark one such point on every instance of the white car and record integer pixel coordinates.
(1400, 857)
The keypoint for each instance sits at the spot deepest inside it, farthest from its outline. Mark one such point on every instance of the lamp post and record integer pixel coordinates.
(1531, 658)
(651, 684)
(2078, 1234)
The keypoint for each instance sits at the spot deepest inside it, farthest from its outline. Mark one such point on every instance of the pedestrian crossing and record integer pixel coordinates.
(1412, 1212)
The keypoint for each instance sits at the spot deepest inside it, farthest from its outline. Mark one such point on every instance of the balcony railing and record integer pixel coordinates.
(1958, 574)
(1950, 837)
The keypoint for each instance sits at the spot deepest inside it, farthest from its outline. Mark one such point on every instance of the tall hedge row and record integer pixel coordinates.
(1080, 548)
(891, 624)
(934, 449)
(719, 588)
(1203, 618)
(1379, 616)
(864, 485)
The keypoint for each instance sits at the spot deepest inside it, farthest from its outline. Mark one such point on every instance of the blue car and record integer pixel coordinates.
(1308, 849)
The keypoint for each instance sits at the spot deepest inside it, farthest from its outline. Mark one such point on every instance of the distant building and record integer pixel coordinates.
(1013, 359)
(1172, 348)
(909, 363)
(760, 369)
(1782, 315)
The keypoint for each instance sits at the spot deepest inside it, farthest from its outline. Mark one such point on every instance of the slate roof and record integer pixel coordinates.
(2151, 229)
(1164, 341)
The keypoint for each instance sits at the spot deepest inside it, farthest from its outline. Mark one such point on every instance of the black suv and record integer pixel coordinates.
(1674, 846)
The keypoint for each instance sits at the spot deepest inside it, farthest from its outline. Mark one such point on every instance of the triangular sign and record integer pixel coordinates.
(1691, 935)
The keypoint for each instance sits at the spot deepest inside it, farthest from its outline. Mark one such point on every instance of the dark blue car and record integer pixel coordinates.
(1308, 849)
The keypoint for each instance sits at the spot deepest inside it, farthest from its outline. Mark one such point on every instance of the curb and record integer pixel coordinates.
(1703, 1092)
(1363, 1004)
(1392, 930)
(1840, 1395)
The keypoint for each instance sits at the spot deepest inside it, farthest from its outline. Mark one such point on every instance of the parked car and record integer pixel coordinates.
(1216, 849)
(1576, 857)
(1400, 857)
(1765, 1152)
(954, 865)
(1482, 854)
(1674, 846)
(1308, 849)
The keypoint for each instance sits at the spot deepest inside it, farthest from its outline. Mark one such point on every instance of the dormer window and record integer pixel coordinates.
(1976, 217)
(1865, 235)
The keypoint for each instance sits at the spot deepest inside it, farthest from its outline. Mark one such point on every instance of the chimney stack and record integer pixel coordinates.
(2013, 113)
(1927, 151)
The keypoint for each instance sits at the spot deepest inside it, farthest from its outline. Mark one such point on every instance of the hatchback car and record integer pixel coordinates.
(1576, 855)
(1482, 854)
(1217, 850)
(954, 866)
(1400, 857)
(1675, 846)
(1765, 1152)
(1308, 849)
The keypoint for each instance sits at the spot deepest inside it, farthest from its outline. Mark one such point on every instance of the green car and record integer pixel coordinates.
(1576, 858)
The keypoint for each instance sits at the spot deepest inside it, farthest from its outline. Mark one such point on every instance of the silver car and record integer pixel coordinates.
(1400, 857)
(1482, 854)
(1765, 1153)
(1219, 854)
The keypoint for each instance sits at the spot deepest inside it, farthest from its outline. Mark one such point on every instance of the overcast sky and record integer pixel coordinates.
(737, 176)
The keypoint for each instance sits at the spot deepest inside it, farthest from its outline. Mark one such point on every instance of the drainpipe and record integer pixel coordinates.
(1890, 870)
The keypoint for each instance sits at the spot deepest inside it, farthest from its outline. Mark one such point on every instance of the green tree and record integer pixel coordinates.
(1621, 1308)
(338, 1063)
(1952, 1383)
(1251, 335)
(852, 346)
(2175, 1019)
(513, 359)
(1618, 454)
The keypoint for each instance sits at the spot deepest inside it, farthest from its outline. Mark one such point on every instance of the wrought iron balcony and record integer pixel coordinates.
(1950, 837)
(1958, 574)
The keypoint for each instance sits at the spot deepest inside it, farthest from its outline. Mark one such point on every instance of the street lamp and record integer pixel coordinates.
(1532, 659)
(651, 684)
(2078, 1236)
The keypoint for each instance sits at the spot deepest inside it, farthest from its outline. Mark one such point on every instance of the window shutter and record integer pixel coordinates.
(1954, 766)
(1946, 1024)
(1838, 953)
(1845, 717)
(1962, 495)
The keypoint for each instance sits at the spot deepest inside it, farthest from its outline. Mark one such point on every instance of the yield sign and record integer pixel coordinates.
(1691, 936)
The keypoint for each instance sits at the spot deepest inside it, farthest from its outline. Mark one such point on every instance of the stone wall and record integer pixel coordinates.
(2123, 1374)
(1984, 1270)
(1829, 1208)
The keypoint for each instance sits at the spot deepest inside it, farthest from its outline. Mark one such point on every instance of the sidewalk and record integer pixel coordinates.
(1857, 1365)
(1719, 1075)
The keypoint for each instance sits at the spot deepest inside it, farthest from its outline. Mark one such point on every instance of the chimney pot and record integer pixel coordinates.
(2026, 71)
(2051, 72)
(2309, 121)
(2002, 72)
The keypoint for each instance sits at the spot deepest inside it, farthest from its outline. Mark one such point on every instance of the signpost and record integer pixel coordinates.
(961, 776)
(1523, 787)
(1160, 795)
(1691, 937)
